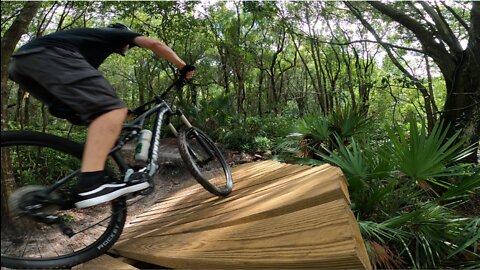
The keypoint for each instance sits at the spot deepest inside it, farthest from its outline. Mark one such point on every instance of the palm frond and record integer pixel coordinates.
(315, 127)
(380, 232)
(377, 237)
(468, 236)
(468, 184)
(435, 234)
(422, 156)
(351, 162)
(347, 121)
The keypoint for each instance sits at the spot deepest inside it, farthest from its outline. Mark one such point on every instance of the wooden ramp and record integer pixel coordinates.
(104, 262)
(278, 216)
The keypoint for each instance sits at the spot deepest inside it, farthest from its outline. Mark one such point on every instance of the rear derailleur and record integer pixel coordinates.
(33, 202)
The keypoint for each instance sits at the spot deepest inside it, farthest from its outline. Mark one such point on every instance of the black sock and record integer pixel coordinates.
(89, 180)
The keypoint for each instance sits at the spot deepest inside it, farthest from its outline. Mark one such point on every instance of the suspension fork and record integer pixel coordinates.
(187, 123)
(182, 117)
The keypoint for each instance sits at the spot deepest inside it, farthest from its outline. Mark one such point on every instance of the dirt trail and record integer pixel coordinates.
(171, 177)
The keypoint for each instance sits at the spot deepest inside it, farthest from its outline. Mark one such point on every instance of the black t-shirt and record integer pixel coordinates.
(95, 44)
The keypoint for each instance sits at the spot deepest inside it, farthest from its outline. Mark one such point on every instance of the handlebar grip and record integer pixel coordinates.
(187, 68)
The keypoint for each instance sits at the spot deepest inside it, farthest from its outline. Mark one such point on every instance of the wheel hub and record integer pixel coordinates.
(31, 201)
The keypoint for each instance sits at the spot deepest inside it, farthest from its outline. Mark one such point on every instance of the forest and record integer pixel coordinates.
(387, 91)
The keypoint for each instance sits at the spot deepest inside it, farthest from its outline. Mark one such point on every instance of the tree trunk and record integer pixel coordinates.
(459, 66)
(350, 82)
(8, 184)
(242, 95)
(18, 109)
(9, 41)
(430, 94)
(260, 91)
(462, 105)
(26, 111)
(45, 116)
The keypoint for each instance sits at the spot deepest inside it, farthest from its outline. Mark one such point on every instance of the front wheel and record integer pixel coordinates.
(205, 161)
(32, 161)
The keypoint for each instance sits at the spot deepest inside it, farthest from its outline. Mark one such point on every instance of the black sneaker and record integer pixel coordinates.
(107, 192)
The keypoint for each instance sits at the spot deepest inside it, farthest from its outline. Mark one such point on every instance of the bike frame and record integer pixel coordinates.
(161, 108)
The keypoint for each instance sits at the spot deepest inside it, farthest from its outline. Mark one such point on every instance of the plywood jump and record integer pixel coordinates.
(278, 216)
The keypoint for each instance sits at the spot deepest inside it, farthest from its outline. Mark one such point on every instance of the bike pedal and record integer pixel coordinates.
(138, 176)
(147, 191)
(143, 192)
(133, 197)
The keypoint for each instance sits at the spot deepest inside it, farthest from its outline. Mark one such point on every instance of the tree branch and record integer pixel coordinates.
(474, 42)
(372, 41)
(433, 48)
(444, 31)
(392, 57)
(459, 19)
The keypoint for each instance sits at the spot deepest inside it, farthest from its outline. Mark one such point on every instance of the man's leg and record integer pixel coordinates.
(93, 188)
(101, 137)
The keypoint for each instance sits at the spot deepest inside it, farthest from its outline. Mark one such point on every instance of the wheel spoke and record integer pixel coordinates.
(37, 161)
(205, 161)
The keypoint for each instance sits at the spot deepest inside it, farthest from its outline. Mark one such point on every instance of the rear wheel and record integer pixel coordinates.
(32, 161)
(205, 161)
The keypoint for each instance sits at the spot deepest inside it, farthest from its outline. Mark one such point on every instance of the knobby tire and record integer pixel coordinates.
(203, 143)
(64, 147)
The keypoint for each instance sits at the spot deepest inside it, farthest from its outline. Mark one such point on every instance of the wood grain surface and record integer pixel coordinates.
(104, 262)
(278, 216)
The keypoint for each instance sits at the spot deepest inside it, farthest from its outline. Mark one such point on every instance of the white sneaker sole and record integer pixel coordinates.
(111, 196)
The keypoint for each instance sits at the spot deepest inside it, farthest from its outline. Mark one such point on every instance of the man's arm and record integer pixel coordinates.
(160, 49)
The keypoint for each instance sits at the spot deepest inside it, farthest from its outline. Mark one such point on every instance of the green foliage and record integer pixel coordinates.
(262, 143)
(429, 235)
(254, 134)
(316, 127)
(436, 234)
(425, 156)
(467, 184)
(318, 134)
(45, 165)
(348, 121)
(395, 213)
(467, 236)
(352, 162)
(381, 232)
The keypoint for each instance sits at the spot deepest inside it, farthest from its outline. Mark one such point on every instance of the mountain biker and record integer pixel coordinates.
(60, 70)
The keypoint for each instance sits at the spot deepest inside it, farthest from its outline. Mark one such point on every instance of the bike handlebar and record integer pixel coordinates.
(179, 83)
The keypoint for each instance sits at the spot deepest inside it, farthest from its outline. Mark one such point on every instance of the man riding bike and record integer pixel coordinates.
(61, 70)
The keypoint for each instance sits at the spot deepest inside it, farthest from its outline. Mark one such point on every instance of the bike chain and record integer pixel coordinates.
(118, 211)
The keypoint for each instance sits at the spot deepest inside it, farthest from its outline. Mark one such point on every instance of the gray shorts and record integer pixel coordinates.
(66, 82)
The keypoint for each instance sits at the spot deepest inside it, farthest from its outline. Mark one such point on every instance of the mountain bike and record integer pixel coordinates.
(41, 228)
